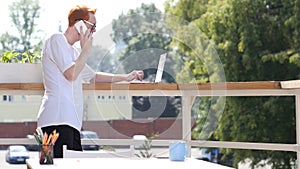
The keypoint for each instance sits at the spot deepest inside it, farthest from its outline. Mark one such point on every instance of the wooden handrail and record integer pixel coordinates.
(160, 86)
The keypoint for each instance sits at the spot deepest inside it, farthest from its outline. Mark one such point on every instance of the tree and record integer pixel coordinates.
(201, 62)
(255, 41)
(101, 60)
(254, 29)
(144, 36)
(23, 14)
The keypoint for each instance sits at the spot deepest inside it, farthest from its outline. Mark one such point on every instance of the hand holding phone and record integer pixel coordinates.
(80, 24)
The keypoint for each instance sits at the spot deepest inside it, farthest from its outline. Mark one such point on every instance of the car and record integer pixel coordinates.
(16, 154)
(85, 135)
(139, 137)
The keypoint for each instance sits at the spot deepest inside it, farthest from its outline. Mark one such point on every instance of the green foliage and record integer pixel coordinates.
(108, 148)
(146, 152)
(143, 36)
(30, 57)
(201, 63)
(9, 42)
(23, 14)
(290, 56)
(17, 57)
(9, 56)
(101, 60)
(256, 41)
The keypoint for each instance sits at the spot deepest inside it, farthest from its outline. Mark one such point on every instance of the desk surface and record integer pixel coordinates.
(123, 163)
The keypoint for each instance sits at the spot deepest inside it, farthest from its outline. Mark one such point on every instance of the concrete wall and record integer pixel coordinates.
(17, 108)
(168, 128)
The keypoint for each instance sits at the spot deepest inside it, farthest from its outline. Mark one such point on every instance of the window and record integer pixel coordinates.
(101, 98)
(111, 97)
(7, 98)
(122, 97)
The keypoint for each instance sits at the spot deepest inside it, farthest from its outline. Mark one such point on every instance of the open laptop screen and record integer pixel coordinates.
(159, 72)
(160, 67)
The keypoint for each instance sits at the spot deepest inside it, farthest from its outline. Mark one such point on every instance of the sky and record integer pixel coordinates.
(55, 12)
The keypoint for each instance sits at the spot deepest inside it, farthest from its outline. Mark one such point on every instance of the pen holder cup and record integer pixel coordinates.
(46, 153)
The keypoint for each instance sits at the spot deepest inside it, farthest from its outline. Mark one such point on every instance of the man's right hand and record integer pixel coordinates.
(86, 39)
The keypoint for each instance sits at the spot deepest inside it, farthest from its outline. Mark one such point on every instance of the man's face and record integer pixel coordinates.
(91, 23)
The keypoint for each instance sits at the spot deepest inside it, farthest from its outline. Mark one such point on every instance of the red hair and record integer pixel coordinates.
(80, 12)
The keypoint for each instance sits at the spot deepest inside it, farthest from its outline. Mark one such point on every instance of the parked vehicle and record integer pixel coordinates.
(139, 137)
(86, 135)
(16, 154)
(210, 155)
(216, 156)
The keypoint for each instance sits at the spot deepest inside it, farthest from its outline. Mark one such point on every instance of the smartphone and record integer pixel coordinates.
(80, 24)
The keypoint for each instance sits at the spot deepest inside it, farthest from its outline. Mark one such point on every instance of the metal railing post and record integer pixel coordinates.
(187, 103)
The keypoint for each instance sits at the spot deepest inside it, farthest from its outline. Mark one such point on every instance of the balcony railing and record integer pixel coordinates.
(188, 92)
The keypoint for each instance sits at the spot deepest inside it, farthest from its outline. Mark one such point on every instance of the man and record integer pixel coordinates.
(64, 70)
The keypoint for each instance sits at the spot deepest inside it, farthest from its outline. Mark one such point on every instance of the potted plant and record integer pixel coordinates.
(146, 147)
(18, 67)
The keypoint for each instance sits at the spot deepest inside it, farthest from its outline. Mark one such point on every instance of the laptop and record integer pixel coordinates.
(159, 72)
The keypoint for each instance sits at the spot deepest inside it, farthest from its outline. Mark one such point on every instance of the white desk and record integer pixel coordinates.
(123, 163)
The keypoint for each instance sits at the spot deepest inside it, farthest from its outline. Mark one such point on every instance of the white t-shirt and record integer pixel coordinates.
(62, 103)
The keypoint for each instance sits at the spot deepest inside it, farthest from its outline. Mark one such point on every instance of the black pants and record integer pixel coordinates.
(67, 136)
